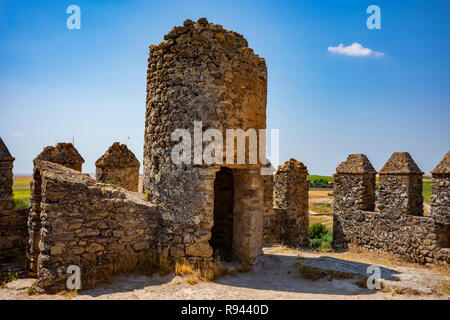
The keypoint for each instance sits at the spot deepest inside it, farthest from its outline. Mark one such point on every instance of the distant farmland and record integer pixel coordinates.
(21, 193)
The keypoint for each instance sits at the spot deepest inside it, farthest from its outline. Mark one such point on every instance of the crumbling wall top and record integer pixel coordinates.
(292, 165)
(230, 40)
(118, 156)
(64, 154)
(356, 163)
(400, 163)
(444, 166)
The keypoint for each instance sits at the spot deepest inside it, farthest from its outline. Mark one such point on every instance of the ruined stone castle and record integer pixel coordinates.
(202, 72)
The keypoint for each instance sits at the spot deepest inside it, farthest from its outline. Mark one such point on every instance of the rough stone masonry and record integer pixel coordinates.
(13, 227)
(63, 153)
(118, 166)
(202, 72)
(398, 226)
(290, 219)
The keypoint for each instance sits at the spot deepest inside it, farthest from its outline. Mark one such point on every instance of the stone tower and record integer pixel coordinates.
(400, 188)
(118, 166)
(291, 193)
(354, 189)
(6, 177)
(440, 200)
(440, 186)
(204, 73)
(64, 154)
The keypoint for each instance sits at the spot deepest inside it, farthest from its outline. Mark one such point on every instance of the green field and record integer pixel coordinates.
(316, 177)
(426, 191)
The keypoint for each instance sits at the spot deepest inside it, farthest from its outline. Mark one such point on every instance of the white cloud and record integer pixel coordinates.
(17, 134)
(355, 50)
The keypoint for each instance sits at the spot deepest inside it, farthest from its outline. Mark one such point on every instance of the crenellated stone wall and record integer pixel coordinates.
(290, 220)
(440, 194)
(118, 166)
(13, 221)
(440, 199)
(397, 226)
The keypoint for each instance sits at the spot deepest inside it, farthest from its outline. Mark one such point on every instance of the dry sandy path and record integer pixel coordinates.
(275, 277)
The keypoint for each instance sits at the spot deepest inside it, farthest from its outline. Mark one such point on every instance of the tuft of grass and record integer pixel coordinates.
(32, 290)
(72, 294)
(443, 287)
(165, 266)
(147, 263)
(11, 276)
(406, 291)
(192, 279)
(200, 270)
(146, 195)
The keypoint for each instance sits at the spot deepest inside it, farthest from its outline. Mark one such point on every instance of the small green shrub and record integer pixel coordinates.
(20, 203)
(317, 231)
(320, 238)
(32, 289)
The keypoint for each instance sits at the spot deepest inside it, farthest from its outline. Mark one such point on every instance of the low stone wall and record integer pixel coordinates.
(76, 221)
(413, 237)
(13, 231)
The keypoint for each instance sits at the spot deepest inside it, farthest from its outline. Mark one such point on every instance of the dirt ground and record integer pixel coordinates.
(320, 195)
(274, 277)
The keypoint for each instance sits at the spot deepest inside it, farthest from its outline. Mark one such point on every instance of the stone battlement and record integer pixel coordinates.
(397, 225)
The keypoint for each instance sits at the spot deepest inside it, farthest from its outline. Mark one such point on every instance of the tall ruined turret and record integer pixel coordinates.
(204, 73)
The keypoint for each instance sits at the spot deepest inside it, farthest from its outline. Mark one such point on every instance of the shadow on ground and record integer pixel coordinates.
(275, 272)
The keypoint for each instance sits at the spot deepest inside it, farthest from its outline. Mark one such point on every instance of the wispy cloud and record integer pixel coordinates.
(354, 50)
(17, 134)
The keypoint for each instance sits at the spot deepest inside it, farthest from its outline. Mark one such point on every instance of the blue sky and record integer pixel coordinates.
(57, 83)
